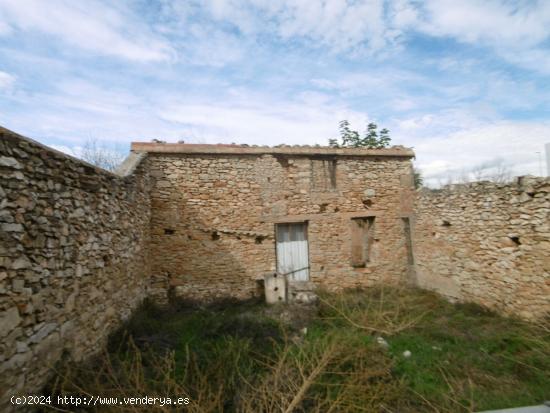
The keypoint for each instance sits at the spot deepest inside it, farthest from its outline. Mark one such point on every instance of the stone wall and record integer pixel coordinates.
(73, 258)
(80, 247)
(487, 243)
(215, 210)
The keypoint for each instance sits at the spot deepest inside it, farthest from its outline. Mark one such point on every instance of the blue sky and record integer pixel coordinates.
(466, 83)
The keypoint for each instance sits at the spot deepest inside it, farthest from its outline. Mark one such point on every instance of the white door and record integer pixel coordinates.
(292, 251)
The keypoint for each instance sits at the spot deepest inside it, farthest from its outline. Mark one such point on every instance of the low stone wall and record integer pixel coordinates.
(72, 258)
(487, 243)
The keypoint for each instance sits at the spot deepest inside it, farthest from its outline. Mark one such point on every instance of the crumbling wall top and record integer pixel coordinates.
(520, 183)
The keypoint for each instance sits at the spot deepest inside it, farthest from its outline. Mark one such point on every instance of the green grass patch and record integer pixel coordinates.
(241, 357)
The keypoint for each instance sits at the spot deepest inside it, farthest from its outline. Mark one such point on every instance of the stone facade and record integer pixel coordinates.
(214, 211)
(73, 258)
(488, 244)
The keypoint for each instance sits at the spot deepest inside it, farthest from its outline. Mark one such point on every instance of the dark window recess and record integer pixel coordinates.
(408, 240)
(215, 236)
(362, 239)
(169, 231)
(367, 203)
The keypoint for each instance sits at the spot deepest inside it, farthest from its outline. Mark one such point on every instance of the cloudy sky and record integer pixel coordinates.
(463, 82)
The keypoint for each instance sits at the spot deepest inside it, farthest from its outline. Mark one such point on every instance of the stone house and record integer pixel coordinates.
(225, 215)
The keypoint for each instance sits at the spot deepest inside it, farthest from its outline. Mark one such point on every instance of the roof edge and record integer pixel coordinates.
(222, 149)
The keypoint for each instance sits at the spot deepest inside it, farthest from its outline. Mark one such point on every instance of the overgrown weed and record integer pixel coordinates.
(238, 358)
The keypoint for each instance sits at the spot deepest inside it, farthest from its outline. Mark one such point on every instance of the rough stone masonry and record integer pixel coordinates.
(216, 209)
(80, 247)
(487, 243)
(73, 258)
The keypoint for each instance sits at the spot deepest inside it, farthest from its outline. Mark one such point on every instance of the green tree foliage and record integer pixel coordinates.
(353, 139)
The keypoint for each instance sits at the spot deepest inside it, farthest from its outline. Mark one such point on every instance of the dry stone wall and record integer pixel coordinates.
(487, 243)
(214, 217)
(73, 259)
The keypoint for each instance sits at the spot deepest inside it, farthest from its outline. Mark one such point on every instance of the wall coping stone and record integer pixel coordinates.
(127, 168)
(222, 149)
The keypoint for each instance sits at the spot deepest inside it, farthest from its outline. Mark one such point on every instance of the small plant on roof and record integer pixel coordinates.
(352, 139)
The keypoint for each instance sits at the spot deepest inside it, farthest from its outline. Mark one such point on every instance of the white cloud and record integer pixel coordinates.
(212, 46)
(456, 122)
(515, 143)
(80, 110)
(4, 27)
(404, 14)
(240, 13)
(91, 26)
(440, 124)
(387, 82)
(259, 120)
(411, 124)
(379, 25)
(6, 80)
(537, 59)
(403, 104)
(516, 31)
(337, 24)
(494, 22)
(434, 169)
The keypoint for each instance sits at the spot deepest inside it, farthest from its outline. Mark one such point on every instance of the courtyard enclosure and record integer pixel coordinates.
(81, 247)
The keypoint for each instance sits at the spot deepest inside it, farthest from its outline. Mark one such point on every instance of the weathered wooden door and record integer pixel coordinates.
(292, 251)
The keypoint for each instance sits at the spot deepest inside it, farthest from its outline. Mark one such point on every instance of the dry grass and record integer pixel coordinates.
(238, 359)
